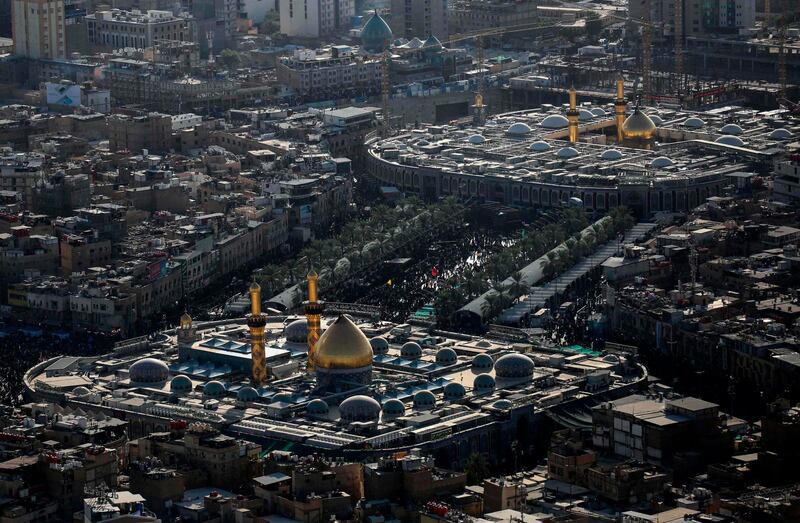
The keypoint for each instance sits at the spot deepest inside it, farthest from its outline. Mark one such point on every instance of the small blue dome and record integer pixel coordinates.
(376, 35)
(393, 408)
(694, 123)
(283, 397)
(379, 345)
(214, 389)
(729, 139)
(554, 121)
(482, 363)
(584, 115)
(297, 331)
(148, 370)
(661, 162)
(180, 383)
(518, 129)
(80, 390)
(446, 356)
(424, 400)
(731, 128)
(476, 139)
(483, 384)
(512, 366)
(318, 407)
(411, 351)
(359, 408)
(567, 152)
(781, 134)
(540, 146)
(502, 404)
(454, 391)
(611, 154)
(247, 394)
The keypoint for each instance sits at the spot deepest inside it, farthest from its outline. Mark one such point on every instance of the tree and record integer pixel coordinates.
(477, 468)
(271, 24)
(230, 58)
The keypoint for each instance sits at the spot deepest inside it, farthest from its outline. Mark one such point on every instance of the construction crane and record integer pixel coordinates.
(677, 34)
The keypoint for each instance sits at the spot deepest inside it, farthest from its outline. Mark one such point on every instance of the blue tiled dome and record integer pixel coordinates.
(149, 370)
(446, 356)
(424, 400)
(247, 394)
(214, 389)
(180, 383)
(379, 345)
(376, 35)
(393, 408)
(514, 366)
(359, 408)
(483, 384)
(411, 351)
(482, 363)
(318, 407)
(454, 391)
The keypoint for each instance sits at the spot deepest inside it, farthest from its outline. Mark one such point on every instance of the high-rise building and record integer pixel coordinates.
(419, 18)
(315, 18)
(699, 17)
(38, 28)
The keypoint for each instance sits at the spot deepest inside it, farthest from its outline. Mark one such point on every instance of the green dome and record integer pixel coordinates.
(376, 35)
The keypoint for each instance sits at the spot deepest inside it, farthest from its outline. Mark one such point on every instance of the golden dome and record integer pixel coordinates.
(343, 346)
(638, 126)
(186, 321)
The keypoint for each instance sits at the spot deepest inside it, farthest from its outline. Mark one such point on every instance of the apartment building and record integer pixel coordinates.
(700, 17)
(419, 18)
(38, 29)
(315, 18)
(330, 71)
(115, 28)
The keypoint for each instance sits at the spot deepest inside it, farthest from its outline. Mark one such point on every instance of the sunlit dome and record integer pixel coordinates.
(694, 123)
(432, 43)
(214, 389)
(297, 331)
(180, 383)
(513, 366)
(781, 134)
(379, 345)
(638, 126)
(661, 162)
(360, 408)
(482, 363)
(611, 154)
(446, 356)
(393, 408)
(343, 346)
(483, 384)
(149, 370)
(454, 391)
(567, 152)
(540, 146)
(584, 115)
(656, 119)
(318, 407)
(728, 139)
(476, 139)
(281, 397)
(599, 111)
(518, 129)
(731, 128)
(554, 121)
(424, 400)
(247, 394)
(411, 350)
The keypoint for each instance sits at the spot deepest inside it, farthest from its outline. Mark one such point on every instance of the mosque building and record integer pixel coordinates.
(361, 389)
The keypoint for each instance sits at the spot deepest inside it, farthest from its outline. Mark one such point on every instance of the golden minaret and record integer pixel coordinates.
(619, 109)
(256, 322)
(573, 115)
(314, 309)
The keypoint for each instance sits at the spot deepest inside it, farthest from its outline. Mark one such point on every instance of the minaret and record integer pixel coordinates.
(314, 309)
(187, 332)
(256, 322)
(573, 115)
(619, 109)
